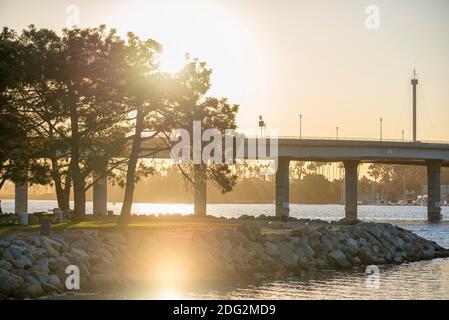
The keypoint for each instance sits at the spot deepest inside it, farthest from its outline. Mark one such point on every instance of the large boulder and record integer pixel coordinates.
(58, 263)
(4, 243)
(271, 248)
(22, 262)
(16, 251)
(34, 291)
(43, 264)
(79, 252)
(252, 233)
(5, 265)
(51, 251)
(338, 259)
(10, 283)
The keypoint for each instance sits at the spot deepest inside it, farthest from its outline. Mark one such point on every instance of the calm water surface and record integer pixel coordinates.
(419, 280)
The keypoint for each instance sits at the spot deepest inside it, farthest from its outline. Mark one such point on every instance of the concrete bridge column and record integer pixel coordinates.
(21, 198)
(100, 197)
(351, 189)
(282, 188)
(200, 190)
(434, 191)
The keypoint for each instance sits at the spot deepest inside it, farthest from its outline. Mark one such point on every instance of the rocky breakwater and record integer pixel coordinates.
(32, 266)
(311, 247)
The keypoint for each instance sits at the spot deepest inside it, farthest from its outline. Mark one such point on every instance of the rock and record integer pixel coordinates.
(38, 269)
(31, 280)
(236, 238)
(103, 279)
(58, 263)
(20, 243)
(375, 230)
(94, 259)
(22, 262)
(16, 251)
(34, 240)
(10, 283)
(346, 221)
(250, 232)
(4, 243)
(35, 291)
(36, 253)
(5, 264)
(64, 245)
(50, 250)
(48, 288)
(350, 247)
(300, 231)
(52, 243)
(289, 260)
(338, 258)
(103, 252)
(79, 252)
(308, 251)
(355, 261)
(43, 264)
(329, 242)
(272, 249)
(7, 285)
(314, 239)
(366, 255)
(55, 281)
(284, 249)
(321, 251)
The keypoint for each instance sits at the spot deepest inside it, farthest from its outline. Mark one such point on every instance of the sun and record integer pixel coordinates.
(200, 28)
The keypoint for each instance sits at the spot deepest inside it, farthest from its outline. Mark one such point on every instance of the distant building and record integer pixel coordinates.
(410, 195)
(444, 192)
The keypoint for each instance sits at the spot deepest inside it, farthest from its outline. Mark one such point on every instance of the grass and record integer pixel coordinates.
(163, 223)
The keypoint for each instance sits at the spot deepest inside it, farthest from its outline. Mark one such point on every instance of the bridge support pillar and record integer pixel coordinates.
(434, 191)
(21, 198)
(100, 197)
(200, 190)
(282, 188)
(351, 189)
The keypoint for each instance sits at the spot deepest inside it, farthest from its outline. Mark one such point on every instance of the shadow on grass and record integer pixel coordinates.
(136, 223)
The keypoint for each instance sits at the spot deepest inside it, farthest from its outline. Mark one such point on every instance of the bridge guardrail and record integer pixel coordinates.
(350, 139)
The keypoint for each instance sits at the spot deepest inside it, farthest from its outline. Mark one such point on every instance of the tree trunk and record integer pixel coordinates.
(132, 165)
(62, 194)
(200, 190)
(79, 195)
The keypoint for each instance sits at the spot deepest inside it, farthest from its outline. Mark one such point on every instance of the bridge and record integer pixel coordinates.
(350, 152)
(353, 152)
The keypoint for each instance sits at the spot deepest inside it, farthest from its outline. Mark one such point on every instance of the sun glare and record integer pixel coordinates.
(202, 30)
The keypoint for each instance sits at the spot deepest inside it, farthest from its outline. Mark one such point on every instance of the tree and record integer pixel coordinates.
(213, 113)
(18, 149)
(146, 89)
(69, 92)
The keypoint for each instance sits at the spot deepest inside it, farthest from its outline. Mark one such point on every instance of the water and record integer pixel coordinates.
(329, 212)
(418, 280)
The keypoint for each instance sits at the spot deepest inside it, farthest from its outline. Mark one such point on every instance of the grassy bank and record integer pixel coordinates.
(150, 223)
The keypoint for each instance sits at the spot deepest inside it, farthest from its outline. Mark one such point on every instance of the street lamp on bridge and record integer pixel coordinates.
(262, 126)
(336, 128)
(300, 126)
(380, 128)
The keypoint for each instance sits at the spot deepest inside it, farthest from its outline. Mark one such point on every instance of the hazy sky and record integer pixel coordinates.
(288, 57)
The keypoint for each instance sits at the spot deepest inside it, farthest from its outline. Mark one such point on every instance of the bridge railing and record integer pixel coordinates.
(350, 139)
